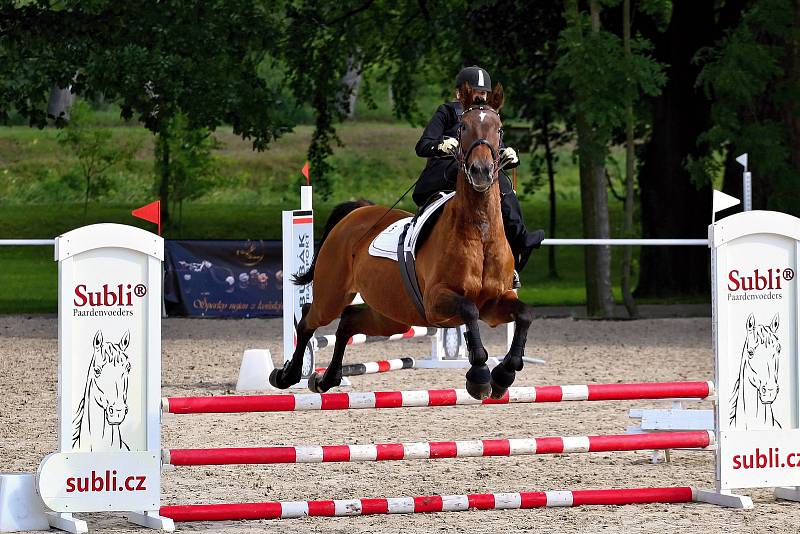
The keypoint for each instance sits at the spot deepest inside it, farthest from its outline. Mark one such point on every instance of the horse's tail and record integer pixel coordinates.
(340, 211)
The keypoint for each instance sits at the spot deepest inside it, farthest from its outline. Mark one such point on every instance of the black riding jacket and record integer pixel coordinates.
(441, 170)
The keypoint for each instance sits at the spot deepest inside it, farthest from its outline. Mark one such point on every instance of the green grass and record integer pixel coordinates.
(376, 161)
(28, 275)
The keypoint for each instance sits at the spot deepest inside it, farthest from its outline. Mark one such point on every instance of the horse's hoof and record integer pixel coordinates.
(501, 380)
(478, 378)
(273, 379)
(498, 392)
(478, 391)
(279, 378)
(314, 383)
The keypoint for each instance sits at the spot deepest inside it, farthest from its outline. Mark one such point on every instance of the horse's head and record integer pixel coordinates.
(479, 137)
(761, 352)
(109, 372)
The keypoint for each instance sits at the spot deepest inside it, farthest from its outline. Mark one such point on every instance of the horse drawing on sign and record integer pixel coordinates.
(757, 386)
(103, 408)
(464, 268)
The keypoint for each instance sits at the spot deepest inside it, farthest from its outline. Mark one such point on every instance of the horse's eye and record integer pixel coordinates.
(750, 351)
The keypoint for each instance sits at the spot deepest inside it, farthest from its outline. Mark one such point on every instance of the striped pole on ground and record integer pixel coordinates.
(434, 503)
(438, 449)
(433, 397)
(371, 368)
(359, 339)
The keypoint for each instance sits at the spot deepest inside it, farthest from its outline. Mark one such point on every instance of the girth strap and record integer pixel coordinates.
(408, 272)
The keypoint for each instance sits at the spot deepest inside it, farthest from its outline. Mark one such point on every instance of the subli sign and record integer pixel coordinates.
(755, 298)
(758, 281)
(99, 481)
(109, 372)
(121, 295)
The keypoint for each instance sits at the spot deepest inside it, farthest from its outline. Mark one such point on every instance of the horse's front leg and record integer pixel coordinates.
(442, 305)
(509, 308)
(354, 320)
(292, 370)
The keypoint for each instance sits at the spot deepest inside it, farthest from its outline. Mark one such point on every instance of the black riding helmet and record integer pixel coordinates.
(477, 77)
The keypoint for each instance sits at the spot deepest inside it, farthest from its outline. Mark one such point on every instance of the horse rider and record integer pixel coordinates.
(439, 144)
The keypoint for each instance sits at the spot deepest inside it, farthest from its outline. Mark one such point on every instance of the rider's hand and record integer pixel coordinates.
(448, 146)
(508, 156)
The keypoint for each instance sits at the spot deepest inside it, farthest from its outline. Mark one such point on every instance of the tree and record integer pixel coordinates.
(592, 64)
(752, 78)
(332, 41)
(155, 58)
(193, 170)
(95, 149)
(673, 203)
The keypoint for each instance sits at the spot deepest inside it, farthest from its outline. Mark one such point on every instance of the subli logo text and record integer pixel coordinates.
(119, 295)
(758, 280)
(107, 481)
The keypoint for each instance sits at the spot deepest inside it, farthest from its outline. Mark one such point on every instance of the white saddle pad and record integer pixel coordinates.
(385, 244)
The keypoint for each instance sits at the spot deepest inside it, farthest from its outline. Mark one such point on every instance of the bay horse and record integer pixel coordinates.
(465, 268)
(756, 386)
(104, 405)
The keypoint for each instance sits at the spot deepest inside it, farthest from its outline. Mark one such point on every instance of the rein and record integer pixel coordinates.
(463, 157)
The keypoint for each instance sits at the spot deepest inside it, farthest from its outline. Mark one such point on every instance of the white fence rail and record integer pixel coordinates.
(546, 242)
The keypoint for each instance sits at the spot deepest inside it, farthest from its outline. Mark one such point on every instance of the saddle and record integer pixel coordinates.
(401, 240)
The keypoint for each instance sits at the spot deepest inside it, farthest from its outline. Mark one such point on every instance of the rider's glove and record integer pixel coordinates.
(448, 146)
(508, 156)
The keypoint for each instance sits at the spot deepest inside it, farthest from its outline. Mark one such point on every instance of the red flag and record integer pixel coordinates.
(304, 170)
(150, 213)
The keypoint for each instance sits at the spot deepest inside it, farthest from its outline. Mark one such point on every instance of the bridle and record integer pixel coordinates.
(463, 157)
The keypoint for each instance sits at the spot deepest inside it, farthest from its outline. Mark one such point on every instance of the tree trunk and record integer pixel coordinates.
(164, 167)
(671, 205)
(627, 260)
(552, 271)
(792, 106)
(352, 83)
(594, 199)
(59, 102)
(597, 259)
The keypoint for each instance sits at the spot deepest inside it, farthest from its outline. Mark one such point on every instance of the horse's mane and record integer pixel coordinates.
(77, 422)
(763, 335)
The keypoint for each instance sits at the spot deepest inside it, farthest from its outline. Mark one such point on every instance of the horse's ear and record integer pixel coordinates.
(496, 98)
(775, 323)
(98, 340)
(466, 95)
(751, 322)
(126, 340)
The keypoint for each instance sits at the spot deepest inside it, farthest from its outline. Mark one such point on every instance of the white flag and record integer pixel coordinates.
(742, 160)
(722, 201)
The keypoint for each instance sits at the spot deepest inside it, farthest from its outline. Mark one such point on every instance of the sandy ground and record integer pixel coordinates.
(201, 357)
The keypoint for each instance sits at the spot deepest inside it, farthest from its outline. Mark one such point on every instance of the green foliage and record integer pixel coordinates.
(155, 58)
(193, 170)
(96, 151)
(592, 66)
(751, 76)
(330, 37)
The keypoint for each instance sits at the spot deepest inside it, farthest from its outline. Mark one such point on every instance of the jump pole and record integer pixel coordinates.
(432, 503)
(371, 368)
(436, 450)
(433, 397)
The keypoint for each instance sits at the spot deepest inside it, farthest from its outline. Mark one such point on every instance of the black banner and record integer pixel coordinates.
(223, 278)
